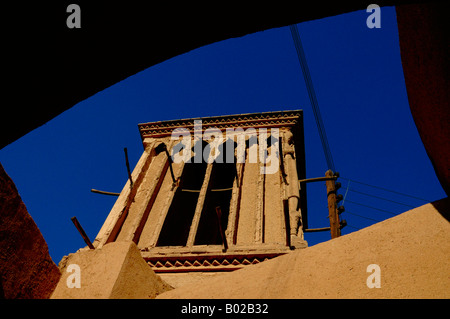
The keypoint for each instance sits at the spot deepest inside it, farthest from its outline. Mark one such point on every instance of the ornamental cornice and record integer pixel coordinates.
(244, 121)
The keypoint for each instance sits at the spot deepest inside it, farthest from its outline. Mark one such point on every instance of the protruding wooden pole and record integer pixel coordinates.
(332, 206)
(128, 167)
(104, 193)
(83, 234)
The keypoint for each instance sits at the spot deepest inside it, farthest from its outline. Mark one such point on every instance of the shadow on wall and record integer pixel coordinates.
(443, 207)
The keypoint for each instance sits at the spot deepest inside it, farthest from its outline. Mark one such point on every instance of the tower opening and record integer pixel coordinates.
(175, 230)
(218, 195)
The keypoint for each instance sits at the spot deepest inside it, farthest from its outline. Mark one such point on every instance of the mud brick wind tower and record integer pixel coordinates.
(214, 194)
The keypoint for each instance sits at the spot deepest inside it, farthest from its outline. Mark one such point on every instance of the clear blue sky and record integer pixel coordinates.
(358, 78)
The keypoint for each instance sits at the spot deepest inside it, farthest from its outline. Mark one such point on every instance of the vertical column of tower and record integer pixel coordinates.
(292, 191)
(159, 209)
(117, 215)
(274, 222)
(146, 194)
(236, 196)
(260, 193)
(248, 203)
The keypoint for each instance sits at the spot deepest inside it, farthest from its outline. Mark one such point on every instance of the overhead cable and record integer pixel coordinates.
(387, 190)
(312, 96)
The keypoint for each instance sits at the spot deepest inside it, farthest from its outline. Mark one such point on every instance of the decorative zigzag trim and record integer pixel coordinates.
(224, 264)
(256, 120)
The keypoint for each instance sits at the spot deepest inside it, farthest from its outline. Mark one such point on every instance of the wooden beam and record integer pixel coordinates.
(128, 167)
(104, 193)
(313, 230)
(82, 232)
(332, 205)
(317, 179)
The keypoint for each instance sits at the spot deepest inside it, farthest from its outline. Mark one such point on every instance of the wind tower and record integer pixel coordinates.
(214, 194)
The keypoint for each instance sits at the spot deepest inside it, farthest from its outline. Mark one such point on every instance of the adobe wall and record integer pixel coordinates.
(114, 271)
(411, 249)
(26, 269)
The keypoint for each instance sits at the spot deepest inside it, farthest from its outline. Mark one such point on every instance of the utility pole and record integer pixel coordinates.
(333, 199)
(333, 213)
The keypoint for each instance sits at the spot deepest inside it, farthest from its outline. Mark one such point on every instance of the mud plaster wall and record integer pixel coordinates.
(116, 270)
(26, 269)
(412, 250)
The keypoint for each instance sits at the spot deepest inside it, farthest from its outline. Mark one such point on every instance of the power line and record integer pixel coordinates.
(385, 189)
(353, 227)
(346, 192)
(362, 216)
(312, 96)
(371, 207)
(382, 198)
